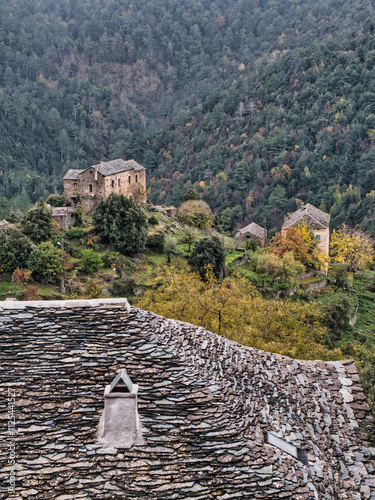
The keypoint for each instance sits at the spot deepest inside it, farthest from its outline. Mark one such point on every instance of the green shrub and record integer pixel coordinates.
(156, 241)
(91, 261)
(15, 250)
(251, 245)
(337, 312)
(45, 262)
(56, 200)
(208, 252)
(121, 223)
(153, 221)
(75, 232)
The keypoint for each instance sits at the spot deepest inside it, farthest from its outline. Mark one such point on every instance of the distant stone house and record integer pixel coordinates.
(253, 232)
(64, 216)
(316, 219)
(89, 185)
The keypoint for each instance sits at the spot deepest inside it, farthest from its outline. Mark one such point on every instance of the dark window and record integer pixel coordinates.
(129, 179)
(119, 182)
(113, 184)
(318, 237)
(136, 178)
(90, 188)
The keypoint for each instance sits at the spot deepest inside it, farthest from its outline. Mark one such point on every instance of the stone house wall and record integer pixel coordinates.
(92, 186)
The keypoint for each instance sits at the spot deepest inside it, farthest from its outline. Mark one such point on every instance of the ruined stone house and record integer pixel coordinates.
(217, 420)
(89, 185)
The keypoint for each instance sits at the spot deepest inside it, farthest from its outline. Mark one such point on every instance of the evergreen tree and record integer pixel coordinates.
(15, 249)
(121, 223)
(208, 252)
(37, 223)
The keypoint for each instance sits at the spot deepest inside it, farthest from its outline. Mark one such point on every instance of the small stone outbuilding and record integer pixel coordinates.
(88, 186)
(253, 232)
(64, 217)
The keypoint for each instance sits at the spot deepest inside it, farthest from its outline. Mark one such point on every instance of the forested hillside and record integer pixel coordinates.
(255, 103)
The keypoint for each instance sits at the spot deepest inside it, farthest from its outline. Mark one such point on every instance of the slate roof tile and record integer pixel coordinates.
(310, 214)
(204, 415)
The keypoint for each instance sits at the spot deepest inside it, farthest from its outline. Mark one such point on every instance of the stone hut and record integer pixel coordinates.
(254, 232)
(64, 217)
(318, 220)
(99, 181)
(219, 420)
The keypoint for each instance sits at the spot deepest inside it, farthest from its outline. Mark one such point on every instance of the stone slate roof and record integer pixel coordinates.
(311, 215)
(117, 166)
(72, 174)
(254, 230)
(204, 403)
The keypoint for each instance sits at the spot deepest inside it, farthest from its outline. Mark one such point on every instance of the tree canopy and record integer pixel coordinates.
(208, 253)
(15, 250)
(37, 223)
(122, 223)
(233, 307)
(352, 247)
(261, 105)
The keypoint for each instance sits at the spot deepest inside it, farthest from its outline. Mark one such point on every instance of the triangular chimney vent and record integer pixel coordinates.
(119, 425)
(121, 383)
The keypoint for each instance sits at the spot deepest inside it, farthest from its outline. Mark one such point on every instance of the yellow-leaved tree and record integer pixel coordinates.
(352, 247)
(233, 307)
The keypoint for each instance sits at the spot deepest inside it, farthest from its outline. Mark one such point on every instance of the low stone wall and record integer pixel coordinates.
(204, 403)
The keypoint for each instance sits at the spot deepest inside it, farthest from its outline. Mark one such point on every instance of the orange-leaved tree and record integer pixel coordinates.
(302, 242)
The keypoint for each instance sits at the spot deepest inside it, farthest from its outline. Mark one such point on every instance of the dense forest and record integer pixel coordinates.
(256, 104)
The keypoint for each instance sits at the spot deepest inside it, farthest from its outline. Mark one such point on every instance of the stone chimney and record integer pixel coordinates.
(96, 173)
(119, 425)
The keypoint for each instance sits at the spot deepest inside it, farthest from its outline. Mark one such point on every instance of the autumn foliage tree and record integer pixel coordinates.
(352, 247)
(286, 269)
(233, 307)
(21, 275)
(196, 213)
(302, 242)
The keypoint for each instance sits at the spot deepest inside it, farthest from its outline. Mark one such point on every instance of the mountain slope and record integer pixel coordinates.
(256, 103)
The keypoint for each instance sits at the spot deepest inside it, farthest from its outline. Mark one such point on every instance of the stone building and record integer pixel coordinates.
(253, 232)
(64, 217)
(88, 186)
(316, 219)
(218, 420)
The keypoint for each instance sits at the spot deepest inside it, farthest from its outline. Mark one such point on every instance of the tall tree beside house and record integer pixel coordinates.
(121, 223)
(301, 241)
(37, 223)
(352, 247)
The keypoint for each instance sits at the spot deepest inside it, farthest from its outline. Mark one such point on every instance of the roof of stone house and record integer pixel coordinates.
(204, 404)
(72, 174)
(117, 166)
(254, 230)
(310, 214)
